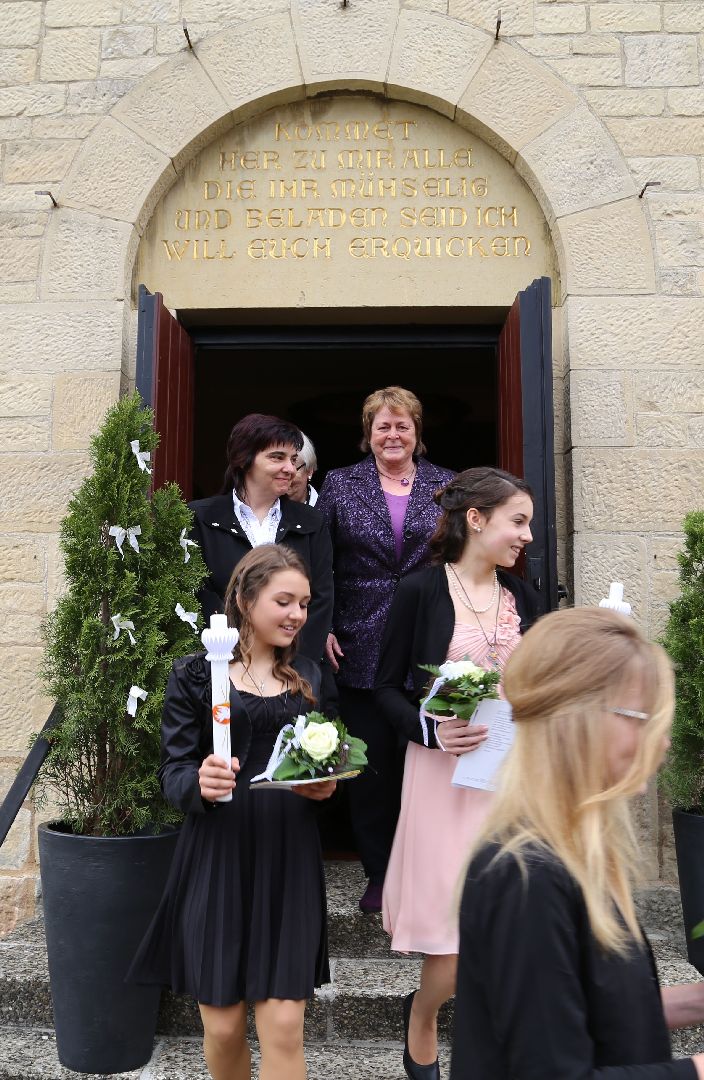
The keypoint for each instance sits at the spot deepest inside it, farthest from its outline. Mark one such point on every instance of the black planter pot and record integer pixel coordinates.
(99, 897)
(689, 845)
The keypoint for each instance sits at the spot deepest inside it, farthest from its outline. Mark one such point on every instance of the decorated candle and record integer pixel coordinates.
(220, 640)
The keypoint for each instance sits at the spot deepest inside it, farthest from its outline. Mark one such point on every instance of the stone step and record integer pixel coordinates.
(362, 1002)
(30, 1054)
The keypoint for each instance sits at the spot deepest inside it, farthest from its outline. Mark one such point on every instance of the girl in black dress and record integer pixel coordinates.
(556, 980)
(243, 916)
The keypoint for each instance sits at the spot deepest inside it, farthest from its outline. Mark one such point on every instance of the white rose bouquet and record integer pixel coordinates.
(458, 688)
(315, 748)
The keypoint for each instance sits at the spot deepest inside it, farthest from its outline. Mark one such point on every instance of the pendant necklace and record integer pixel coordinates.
(462, 595)
(465, 599)
(405, 480)
(259, 686)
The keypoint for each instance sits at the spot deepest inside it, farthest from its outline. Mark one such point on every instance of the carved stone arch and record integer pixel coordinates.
(496, 89)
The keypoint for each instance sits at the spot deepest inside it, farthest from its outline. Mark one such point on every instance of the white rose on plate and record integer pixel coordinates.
(455, 669)
(319, 740)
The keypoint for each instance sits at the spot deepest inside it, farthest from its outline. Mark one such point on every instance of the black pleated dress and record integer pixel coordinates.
(243, 916)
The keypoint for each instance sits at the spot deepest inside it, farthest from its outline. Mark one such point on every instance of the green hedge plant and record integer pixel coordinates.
(683, 775)
(102, 765)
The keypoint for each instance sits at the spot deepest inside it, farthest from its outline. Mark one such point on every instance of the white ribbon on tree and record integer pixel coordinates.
(187, 616)
(122, 624)
(130, 535)
(135, 692)
(185, 544)
(143, 456)
(278, 754)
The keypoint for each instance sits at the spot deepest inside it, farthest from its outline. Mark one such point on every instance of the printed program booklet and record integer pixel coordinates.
(478, 769)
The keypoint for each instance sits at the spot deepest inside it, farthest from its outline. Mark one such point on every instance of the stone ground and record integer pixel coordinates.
(353, 1027)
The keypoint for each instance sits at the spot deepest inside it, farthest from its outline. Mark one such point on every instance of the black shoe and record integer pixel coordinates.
(415, 1071)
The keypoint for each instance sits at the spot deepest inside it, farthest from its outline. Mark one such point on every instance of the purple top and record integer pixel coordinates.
(397, 512)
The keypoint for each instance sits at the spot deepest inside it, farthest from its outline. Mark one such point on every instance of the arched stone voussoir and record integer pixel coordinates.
(254, 64)
(512, 98)
(575, 165)
(433, 59)
(606, 250)
(118, 175)
(177, 97)
(87, 256)
(344, 48)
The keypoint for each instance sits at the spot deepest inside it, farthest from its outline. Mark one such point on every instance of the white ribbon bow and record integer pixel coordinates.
(130, 535)
(143, 456)
(187, 616)
(122, 624)
(423, 722)
(277, 754)
(135, 692)
(185, 544)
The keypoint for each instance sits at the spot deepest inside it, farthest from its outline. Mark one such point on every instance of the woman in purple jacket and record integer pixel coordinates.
(381, 515)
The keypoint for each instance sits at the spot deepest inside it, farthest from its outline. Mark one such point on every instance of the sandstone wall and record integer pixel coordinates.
(102, 103)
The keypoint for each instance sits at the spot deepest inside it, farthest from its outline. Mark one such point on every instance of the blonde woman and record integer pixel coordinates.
(555, 978)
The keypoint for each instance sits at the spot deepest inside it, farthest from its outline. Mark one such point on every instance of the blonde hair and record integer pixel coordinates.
(555, 791)
(398, 400)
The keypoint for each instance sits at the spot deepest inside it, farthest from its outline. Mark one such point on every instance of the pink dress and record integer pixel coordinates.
(437, 822)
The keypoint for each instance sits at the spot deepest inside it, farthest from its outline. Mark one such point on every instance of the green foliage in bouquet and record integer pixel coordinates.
(683, 774)
(102, 765)
(322, 747)
(464, 687)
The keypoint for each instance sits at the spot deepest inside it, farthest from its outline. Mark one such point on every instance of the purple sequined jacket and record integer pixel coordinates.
(364, 555)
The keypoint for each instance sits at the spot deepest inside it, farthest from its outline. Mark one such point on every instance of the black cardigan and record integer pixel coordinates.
(187, 727)
(223, 542)
(537, 997)
(419, 629)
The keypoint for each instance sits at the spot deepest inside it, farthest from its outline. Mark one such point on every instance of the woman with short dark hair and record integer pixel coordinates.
(254, 509)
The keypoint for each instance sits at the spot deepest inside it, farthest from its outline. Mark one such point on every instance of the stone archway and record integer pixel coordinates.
(495, 89)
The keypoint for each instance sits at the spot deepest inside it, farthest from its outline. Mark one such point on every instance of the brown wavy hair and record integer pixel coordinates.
(253, 573)
(483, 488)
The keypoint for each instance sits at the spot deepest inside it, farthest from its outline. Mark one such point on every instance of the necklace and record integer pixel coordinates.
(465, 598)
(492, 655)
(258, 685)
(405, 480)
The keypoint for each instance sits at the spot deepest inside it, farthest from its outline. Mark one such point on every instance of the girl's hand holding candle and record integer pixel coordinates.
(219, 640)
(216, 779)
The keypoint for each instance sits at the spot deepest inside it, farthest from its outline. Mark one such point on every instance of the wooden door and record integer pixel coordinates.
(525, 425)
(165, 381)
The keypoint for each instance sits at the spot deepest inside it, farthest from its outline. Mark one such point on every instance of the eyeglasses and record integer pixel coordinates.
(301, 465)
(631, 714)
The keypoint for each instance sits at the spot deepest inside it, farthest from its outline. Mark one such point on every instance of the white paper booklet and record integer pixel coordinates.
(478, 769)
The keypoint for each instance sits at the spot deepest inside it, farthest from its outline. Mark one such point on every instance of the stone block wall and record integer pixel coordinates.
(619, 83)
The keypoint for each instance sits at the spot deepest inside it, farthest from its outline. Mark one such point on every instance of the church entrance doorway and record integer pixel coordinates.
(486, 392)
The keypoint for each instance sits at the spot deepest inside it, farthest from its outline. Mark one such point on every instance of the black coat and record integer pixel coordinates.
(223, 542)
(538, 998)
(187, 727)
(419, 629)
(367, 569)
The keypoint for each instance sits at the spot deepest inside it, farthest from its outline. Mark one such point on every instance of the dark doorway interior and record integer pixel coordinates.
(320, 381)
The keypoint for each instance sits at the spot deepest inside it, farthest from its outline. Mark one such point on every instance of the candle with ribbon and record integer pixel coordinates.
(220, 639)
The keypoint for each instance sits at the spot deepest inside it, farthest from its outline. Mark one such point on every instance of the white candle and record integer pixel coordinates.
(220, 640)
(614, 601)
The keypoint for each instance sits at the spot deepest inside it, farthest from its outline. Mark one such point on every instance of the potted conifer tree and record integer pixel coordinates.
(683, 775)
(127, 611)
